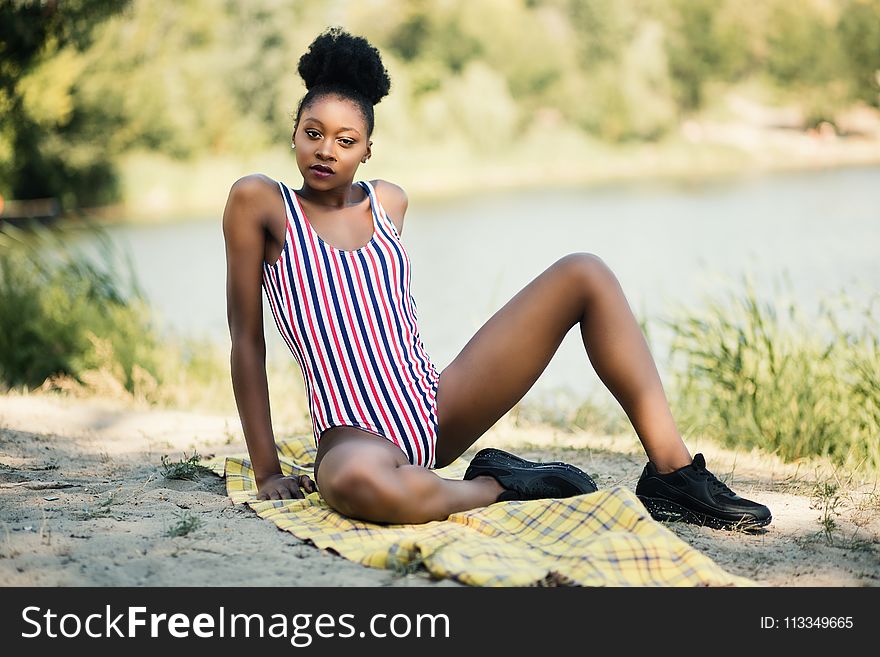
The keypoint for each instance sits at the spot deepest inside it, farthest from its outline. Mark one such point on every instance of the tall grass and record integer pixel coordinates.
(756, 373)
(65, 314)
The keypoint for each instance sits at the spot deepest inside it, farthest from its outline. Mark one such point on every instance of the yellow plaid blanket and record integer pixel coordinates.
(606, 538)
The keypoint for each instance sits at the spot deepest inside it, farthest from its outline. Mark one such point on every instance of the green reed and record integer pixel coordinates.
(754, 373)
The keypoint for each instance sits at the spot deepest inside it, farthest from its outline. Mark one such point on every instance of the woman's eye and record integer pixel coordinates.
(347, 142)
(311, 133)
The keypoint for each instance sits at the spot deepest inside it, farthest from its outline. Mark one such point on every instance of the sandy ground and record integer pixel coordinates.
(83, 502)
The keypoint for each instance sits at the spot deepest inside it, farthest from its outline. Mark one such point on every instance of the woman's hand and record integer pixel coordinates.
(285, 487)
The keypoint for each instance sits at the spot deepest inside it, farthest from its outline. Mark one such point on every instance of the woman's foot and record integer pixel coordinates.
(693, 494)
(527, 480)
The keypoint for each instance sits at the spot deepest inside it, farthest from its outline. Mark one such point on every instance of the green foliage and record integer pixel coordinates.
(696, 54)
(754, 375)
(83, 83)
(859, 33)
(102, 509)
(189, 468)
(433, 32)
(63, 313)
(47, 146)
(185, 522)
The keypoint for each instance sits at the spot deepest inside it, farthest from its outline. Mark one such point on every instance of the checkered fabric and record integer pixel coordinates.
(606, 538)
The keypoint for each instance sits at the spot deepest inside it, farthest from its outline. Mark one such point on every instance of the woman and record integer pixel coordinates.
(337, 278)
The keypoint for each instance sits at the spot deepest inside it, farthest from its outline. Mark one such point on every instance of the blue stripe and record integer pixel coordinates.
(320, 320)
(346, 339)
(425, 438)
(378, 378)
(402, 339)
(426, 370)
(320, 384)
(404, 289)
(389, 352)
(405, 285)
(291, 341)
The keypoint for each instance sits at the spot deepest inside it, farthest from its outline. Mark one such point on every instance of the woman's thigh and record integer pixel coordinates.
(507, 355)
(339, 445)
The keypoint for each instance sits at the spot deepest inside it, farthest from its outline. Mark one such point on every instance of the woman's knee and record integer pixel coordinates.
(589, 272)
(361, 489)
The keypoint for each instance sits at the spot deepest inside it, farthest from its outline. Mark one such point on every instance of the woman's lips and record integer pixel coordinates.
(320, 173)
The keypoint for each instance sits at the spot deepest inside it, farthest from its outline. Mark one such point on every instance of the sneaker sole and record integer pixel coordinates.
(505, 467)
(491, 452)
(664, 510)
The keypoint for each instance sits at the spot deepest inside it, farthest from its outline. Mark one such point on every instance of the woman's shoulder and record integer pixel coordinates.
(394, 199)
(254, 183)
(259, 193)
(389, 189)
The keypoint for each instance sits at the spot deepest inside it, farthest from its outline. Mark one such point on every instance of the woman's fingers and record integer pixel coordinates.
(288, 488)
(293, 491)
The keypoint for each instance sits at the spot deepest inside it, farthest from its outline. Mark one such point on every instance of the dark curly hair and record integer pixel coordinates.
(340, 64)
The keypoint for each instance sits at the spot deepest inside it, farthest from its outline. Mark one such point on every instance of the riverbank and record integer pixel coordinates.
(746, 139)
(83, 502)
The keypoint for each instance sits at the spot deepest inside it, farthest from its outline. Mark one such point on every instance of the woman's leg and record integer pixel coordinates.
(505, 357)
(365, 476)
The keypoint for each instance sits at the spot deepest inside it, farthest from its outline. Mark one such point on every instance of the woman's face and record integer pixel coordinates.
(331, 134)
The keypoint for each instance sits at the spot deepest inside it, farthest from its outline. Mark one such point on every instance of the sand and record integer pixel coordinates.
(83, 503)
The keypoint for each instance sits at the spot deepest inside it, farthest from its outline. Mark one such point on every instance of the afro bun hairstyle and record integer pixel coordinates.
(341, 64)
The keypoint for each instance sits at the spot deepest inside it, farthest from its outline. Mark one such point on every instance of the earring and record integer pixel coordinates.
(293, 145)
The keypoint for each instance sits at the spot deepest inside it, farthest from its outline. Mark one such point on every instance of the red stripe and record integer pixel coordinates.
(376, 342)
(410, 336)
(351, 392)
(314, 402)
(407, 304)
(289, 339)
(366, 368)
(306, 303)
(401, 363)
(412, 343)
(410, 355)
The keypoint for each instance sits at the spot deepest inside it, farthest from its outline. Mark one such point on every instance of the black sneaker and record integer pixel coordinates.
(526, 480)
(693, 494)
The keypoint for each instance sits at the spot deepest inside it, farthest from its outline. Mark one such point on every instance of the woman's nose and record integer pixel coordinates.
(325, 150)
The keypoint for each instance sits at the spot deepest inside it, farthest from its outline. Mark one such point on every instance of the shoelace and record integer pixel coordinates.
(715, 485)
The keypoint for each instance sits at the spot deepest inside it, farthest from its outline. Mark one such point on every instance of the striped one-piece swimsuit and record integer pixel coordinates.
(350, 321)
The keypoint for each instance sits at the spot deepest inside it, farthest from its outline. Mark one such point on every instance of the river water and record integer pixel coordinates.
(670, 245)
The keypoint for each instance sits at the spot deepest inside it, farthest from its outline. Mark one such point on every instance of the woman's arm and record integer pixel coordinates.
(250, 201)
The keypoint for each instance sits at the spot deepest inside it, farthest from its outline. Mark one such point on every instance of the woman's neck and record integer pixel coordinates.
(336, 198)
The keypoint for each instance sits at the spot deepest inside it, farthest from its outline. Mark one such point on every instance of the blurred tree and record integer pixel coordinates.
(805, 57)
(695, 54)
(432, 30)
(47, 148)
(802, 45)
(859, 32)
(84, 82)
